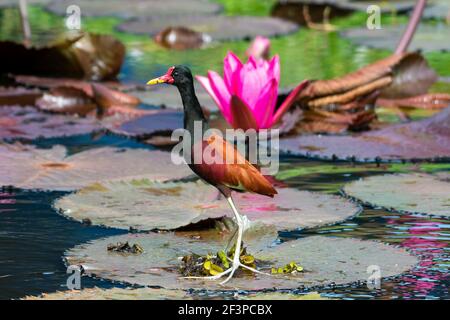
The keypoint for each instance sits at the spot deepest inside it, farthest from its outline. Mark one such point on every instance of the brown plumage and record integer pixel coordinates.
(230, 169)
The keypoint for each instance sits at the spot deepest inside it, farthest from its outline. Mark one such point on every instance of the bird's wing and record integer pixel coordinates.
(234, 171)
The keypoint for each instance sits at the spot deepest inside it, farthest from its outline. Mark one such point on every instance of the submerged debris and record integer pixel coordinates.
(125, 247)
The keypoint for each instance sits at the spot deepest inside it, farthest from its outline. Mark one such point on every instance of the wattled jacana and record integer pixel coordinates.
(237, 174)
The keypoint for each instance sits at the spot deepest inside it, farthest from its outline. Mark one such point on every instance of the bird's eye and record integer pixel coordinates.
(175, 74)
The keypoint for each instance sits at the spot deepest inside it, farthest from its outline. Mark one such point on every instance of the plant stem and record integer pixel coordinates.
(411, 28)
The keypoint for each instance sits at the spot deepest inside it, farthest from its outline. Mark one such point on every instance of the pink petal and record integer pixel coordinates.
(274, 68)
(231, 68)
(225, 109)
(266, 104)
(221, 91)
(252, 82)
(289, 100)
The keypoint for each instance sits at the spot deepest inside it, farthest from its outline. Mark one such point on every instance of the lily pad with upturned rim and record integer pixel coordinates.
(146, 205)
(28, 167)
(408, 193)
(326, 260)
(427, 139)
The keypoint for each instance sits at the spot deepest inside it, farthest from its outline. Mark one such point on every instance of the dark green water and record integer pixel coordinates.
(33, 236)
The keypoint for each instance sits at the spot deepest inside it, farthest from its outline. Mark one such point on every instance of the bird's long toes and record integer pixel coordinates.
(215, 277)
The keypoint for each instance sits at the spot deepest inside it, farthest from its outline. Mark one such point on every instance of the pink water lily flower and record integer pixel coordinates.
(247, 94)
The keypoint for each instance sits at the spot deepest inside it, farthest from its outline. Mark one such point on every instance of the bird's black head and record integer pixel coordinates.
(176, 75)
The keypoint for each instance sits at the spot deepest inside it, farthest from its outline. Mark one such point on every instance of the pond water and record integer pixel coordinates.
(33, 236)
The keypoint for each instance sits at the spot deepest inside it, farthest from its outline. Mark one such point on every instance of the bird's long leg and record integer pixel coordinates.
(236, 263)
(237, 251)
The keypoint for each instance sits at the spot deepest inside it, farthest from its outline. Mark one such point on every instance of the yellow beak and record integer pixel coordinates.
(156, 81)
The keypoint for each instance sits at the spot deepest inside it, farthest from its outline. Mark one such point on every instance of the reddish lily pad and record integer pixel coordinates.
(136, 8)
(52, 169)
(114, 294)
(27, 123)
(325, 260)
(426, 139)
(218, 27)
(427, 37)
(11, 96)
(161, 123)
(66, 100)
(146, 205)
(408, 193)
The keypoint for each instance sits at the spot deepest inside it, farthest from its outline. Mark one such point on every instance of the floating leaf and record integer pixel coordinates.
(437, 9)
(148, 205)
(84, 55)
(427, 38)
(14, 96)
(160, 124)
(168, 96)
(28, 123)
(51, 169)
(114, 294)
(328, 260)
(66, 100)
(136, 8)
(424, 139)
(409, 193)
(282, 296)
(220, 28)
(180, 38)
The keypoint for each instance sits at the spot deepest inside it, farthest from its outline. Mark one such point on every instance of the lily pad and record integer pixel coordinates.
(80, 55)
(15, 3)
(408, 193)
(52, 169)
(426, 139)
(157, 124)
(437, 9)
(114, 294)
(28, 123)
(168, 97)
(67, 100)
(428, 38)
(146, 205)
(282, 296)
(220, 28)
(10, 96)
(326, 261)
(136, 8)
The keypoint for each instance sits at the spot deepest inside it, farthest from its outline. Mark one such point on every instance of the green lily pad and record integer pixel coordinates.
(326, 260)
(409, 193)
(146, 205)
(28, 167)
(136, 8)
(428, 38)
(114, 294)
